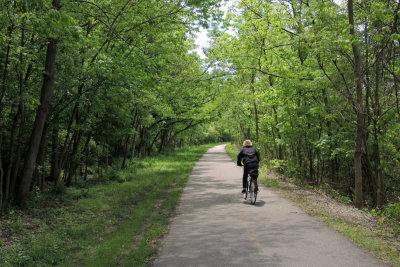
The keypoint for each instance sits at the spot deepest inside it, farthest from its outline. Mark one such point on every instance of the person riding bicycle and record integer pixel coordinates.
(250, 158)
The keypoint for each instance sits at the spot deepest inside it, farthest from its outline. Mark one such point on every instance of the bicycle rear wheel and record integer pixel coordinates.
(247, 188)
(252, 192)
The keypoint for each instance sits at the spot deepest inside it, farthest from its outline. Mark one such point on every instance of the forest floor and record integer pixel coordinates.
(361, 226)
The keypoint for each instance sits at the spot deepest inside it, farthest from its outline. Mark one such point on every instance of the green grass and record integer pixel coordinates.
(232, 150)
(271, 183)
(373, 241)
(118, 223)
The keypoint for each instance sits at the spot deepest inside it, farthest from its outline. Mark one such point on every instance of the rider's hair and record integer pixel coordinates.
(247, 143)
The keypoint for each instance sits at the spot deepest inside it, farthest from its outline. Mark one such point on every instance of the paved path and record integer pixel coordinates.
(214, 226)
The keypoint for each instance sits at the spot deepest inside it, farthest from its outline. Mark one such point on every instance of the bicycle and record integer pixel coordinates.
(252, 188)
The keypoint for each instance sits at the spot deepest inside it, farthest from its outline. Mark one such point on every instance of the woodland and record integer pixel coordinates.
(315, 85)
(89, 86)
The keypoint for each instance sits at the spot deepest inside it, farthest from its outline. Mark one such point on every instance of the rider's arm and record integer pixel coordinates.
(239, 158)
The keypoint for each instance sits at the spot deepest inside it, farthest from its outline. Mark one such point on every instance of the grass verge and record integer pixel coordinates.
(232, 150)
(378, 240)
(116, 224)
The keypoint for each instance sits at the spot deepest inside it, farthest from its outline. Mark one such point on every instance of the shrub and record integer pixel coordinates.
(111, 174)
(278, 165)
(392, 211)
(61, 188)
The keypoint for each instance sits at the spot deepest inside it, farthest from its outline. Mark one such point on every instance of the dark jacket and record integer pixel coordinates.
(249, 155)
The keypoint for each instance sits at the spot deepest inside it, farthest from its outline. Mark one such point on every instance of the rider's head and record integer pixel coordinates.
(247, 143)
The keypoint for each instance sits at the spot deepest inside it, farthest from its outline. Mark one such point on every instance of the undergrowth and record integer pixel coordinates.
(115, 223)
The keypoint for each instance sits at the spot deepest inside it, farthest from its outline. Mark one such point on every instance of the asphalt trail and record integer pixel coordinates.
(214, 226)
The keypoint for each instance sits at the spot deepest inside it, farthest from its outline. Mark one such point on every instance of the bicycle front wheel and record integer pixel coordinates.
(252, 193)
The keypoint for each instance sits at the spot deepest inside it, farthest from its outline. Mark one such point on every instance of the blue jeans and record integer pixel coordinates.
(246, 169)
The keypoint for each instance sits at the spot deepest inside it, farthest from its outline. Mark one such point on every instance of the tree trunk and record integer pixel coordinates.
(369, 185)
(73, 166)
(329, 132)
(67, 141)
(107, 150)
(39, 170)
(3, 93)
(163, 140)
(11, 155)
(135, 124)
(15, 170)
(379, 194)
(16, 117)
(134, 145)
(41, 116)
(54, 169)
(1, 179)
(275, 152)
(253, 90)
(358, 197)
(87, 155)
(280, 150)
(125, 150)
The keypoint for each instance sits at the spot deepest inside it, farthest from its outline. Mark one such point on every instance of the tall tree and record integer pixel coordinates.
(41, 116)
(358, 194)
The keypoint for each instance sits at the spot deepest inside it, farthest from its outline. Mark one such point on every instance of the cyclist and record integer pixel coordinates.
(250, 158)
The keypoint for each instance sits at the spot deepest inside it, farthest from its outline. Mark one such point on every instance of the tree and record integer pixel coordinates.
(359, 109)
(41, 116)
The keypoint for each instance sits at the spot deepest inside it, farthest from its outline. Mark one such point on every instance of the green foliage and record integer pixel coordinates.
(61, 188)
(336, 194)
(388, 216)
(291, 89)
(127, 82)
(111, 174)
(392, 210)
(277, 165)
(272, 183)
(392, 215)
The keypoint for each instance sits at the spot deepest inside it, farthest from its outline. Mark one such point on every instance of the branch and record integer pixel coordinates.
(94, 4)
(349, 98)
(253, 11)
(283, 29)
(188, 127)
(342, 75)
(276, 75)
(153, 19)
